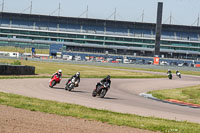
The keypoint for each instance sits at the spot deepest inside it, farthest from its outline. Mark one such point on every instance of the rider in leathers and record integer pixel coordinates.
(105, 80)
(77, 79)
(58, 73)
(169, 71)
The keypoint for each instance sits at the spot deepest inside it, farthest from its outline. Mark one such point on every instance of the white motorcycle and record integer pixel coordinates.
(178, 74)
(71, 84)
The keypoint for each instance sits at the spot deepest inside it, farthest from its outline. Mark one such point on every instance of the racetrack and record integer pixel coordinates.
(122, 97)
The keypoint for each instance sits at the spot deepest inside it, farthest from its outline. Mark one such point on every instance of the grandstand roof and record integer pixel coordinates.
(96, 22)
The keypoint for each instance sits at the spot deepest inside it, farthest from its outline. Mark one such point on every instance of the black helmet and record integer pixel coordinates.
(108, 77)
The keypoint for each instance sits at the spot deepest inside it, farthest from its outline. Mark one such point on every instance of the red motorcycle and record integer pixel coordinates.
(55, 80)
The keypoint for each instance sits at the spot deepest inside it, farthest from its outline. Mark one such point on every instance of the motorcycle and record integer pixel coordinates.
(55, 80)
(101, 90)
(178, 74)
(71, 84)
(169, 75)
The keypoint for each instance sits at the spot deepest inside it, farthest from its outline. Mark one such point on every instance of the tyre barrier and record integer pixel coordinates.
(16, 70)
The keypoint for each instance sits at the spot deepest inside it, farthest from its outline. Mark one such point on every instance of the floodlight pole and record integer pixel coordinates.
(115, 14)
(142, 16)
(31, 8)
(170, 18)
(59, 10)
(158, 29)
(87, 12)
(2, 6)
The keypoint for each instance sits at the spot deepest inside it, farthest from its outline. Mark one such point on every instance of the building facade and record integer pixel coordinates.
(97, 35)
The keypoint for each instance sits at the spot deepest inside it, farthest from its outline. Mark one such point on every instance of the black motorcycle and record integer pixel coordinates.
(101, 89)
(169, 75)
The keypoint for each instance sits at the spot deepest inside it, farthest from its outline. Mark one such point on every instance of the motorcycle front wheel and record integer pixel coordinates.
(70, 87)
(66, 87)
(103, 93)
(53, 83)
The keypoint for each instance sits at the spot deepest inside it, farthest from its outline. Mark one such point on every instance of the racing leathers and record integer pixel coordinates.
(77, 80)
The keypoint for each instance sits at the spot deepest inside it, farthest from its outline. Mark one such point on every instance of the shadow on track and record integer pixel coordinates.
(112, 98)
(57, 88)
(79, 91)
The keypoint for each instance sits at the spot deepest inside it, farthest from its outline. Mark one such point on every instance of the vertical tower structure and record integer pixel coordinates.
(158, 29)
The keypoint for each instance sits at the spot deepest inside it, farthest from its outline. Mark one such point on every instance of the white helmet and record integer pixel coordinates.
(60, 71)
(77, 74)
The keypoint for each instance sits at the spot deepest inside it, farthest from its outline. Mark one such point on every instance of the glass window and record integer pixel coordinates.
(24, 32)
(128, 39)
(80, 36)
(71, 36)
(53, 34)
(89, 37)
(110, 38)
(62, 35)
(34, 33)
(5, 31)
(43, 34)
(99, 37)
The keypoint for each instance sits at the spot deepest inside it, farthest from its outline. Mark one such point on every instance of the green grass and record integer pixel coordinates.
(64, 109)
(24, 77)
(48, 68)
(187, 94)
(17, 62)
(23, 50)
(196, 73)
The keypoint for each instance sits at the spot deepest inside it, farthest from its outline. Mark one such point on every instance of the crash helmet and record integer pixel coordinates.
(77, 74)
(60, 71)
(108, 77)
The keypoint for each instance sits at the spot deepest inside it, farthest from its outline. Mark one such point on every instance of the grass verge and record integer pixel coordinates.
(23, 77)
(196, 73)
(23, 50)
(48, 68)
(186, 94)
(42, 69)
(64, 109)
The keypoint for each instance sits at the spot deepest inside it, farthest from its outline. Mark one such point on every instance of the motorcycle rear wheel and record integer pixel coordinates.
(94, 93)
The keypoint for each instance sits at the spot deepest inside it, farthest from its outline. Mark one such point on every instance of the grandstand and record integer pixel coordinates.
(97, 35)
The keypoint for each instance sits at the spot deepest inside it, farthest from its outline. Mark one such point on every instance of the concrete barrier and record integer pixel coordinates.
(17, 70)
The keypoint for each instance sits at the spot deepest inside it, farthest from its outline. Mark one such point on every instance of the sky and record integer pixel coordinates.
(183, 12)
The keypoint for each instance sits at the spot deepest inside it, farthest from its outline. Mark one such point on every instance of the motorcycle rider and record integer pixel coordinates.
(105, 80)
(169, 71)
(178, 74)
(58, 73)
(77, 79)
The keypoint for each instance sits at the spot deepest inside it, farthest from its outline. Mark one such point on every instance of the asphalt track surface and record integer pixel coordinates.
(123, 95)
